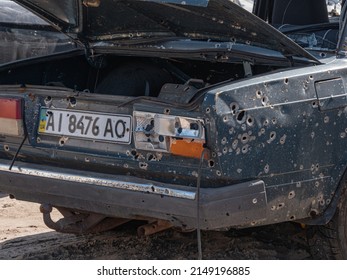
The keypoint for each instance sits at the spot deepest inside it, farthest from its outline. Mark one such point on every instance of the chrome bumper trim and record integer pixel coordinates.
(98, 181)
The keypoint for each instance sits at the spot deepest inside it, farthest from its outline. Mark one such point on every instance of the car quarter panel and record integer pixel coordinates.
(278, 128)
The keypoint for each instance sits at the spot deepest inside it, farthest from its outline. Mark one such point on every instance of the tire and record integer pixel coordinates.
(329, 242)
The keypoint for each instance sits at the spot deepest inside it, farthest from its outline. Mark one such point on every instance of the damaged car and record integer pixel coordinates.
(196, 115)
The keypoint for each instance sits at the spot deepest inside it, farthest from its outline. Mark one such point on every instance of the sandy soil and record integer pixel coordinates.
(23, 235)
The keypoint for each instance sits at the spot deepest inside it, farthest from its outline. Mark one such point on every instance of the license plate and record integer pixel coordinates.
(88, 125)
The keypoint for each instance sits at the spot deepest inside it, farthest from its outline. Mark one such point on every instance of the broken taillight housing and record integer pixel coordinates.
(11, 117)
(172, 134)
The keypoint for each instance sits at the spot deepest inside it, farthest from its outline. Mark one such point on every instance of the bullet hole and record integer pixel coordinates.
(286, 81)
(313, 213)
(208, 110)
(143, 165)
(225, 119)
(316, 184)
(214, 154)
(315, 104)
(280, 205)
(266, 168)
(283, 139)
(254, 201)
(322, 54)
(291, 195)
(234, 108)
(211, 163)
(326, 119)
(238, 151)
(87, 159)
(265, 101)
(261, 132)
(126, 165)
(310, 77)
(273, 135)
(235, 143)
(312, 134)
(241, 116)
(342, 135)
(167, 111)
(128, 153)
(225, 150)
(274, 121)
(266, 122)
(245, 149)
(298, 184)
(250, 121)
(244, 138)
(62, 141)
(239, 170)
(151, 157)
(48, 100)
(227, 214)
(7, 148)
(292, 218)
(259, 93)
(328, 201)
(224, 141)
(322, 202)
(72, 100)
(218, 173)
(314, 167)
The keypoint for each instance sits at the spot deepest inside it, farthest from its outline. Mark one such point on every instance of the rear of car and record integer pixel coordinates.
(191, 116)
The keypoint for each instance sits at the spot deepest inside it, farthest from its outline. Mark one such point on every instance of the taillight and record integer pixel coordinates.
(11, 117)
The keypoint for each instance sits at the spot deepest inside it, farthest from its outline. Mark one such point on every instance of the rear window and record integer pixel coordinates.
(24, 35)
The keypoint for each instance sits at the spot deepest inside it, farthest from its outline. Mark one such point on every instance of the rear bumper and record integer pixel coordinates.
(238, 205)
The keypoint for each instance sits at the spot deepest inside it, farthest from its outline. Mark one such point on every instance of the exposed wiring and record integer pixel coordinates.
(18, 150)
(198, 185)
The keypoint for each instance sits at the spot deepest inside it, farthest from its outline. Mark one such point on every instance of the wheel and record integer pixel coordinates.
(330, 241)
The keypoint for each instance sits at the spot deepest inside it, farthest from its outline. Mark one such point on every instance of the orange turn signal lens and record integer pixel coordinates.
(187, 148)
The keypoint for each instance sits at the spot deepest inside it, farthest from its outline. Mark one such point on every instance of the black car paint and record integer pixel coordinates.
(275, 141)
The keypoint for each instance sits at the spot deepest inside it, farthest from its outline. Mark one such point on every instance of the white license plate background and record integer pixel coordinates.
(89, 125)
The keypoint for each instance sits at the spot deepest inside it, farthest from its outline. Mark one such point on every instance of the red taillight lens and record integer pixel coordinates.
(11, 117)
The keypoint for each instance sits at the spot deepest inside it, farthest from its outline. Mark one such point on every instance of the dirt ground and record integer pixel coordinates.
(23, 235)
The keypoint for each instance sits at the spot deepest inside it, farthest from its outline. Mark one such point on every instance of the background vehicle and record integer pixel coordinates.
(196, 116)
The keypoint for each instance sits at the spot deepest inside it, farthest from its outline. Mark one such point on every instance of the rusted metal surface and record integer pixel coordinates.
(79, 223)
(153, 227)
